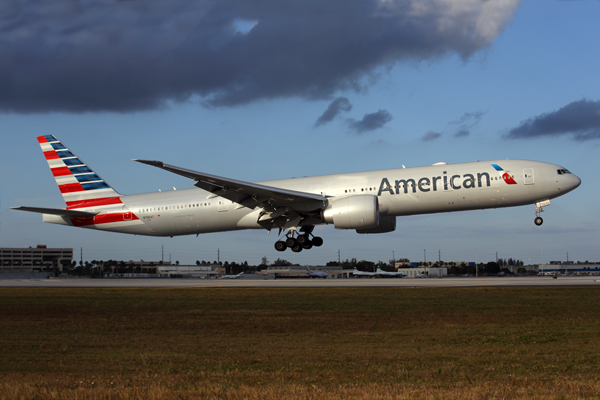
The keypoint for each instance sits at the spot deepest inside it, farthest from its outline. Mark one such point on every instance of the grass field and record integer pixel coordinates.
(467, 343)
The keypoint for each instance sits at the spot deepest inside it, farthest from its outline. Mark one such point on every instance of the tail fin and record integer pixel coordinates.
(80, 186)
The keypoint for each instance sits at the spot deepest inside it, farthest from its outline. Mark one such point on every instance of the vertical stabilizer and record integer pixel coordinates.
(79, 185)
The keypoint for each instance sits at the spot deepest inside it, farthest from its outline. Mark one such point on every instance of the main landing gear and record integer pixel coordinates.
(302, 241)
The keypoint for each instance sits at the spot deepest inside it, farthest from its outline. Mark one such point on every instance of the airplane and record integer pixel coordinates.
(361, 274)
(367, 202)
(386, 274)
(315, 274)
(238, 276)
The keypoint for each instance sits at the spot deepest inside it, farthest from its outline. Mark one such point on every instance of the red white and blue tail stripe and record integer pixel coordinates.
(80, 186)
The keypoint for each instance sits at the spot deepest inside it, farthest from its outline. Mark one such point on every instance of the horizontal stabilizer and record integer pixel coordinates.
(56, 211)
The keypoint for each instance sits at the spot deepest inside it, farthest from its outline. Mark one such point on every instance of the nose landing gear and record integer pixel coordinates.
(302, 241)
(538, 209)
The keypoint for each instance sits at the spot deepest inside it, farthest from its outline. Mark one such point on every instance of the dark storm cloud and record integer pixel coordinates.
(579, 119)
(370, 122)
(430, 136)
(123, 56)
(467, 122)
(337, 106)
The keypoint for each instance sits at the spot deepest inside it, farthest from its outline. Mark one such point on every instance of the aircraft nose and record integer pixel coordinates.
(576, 181)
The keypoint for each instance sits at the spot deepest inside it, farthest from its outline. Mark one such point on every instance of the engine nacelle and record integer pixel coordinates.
(353, 212)
(386, 224)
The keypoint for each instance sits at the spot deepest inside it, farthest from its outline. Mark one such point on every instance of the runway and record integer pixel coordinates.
(258, 282)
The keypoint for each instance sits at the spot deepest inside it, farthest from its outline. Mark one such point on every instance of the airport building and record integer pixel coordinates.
(569, 268)
(298, 271)
(35, 259)
(138, 266)
(188, 271)
(428, 272)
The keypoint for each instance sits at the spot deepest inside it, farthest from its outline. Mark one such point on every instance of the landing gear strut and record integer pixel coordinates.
(302, 241)
(538, 209)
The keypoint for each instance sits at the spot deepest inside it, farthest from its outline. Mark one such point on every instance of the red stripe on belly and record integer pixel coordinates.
(102, 219)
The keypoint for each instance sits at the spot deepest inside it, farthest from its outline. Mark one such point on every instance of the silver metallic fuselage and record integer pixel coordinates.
(405, 191)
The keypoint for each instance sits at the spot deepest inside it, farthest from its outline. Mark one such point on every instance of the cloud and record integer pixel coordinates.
(579, 119)
(335, 108)
(431, 136)
(370, 122)
(126, 56)
(467, 122)
(462, 132)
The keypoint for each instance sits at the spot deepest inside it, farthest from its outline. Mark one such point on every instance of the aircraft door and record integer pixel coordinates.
(528, 176)
(223, 205)
(126, 214)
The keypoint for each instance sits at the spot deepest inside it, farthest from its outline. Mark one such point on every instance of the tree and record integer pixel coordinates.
(281, 263)
(364, 265)
(264, 261)
(491, 268)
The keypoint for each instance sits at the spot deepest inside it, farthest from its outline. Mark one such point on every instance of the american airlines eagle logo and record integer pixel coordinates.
(506, 176)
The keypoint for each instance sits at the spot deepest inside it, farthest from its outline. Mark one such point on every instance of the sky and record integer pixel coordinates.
(259, 90)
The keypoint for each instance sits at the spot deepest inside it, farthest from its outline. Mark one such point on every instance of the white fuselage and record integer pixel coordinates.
(405, 191)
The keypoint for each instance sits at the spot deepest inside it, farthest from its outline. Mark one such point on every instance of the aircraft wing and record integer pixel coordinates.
(247, 194)
(56, 211)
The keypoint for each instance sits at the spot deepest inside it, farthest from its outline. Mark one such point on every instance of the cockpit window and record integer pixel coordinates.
(563, 171)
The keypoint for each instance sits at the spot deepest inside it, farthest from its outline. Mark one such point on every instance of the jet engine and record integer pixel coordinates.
(353, 212)
(386, 224)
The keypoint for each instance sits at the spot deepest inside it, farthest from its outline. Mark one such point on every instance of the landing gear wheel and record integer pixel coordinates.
(291, 242)
(538, 221)
(307, 246)
(297, 248)
(303, 240)
(280, 246)
(317, 241)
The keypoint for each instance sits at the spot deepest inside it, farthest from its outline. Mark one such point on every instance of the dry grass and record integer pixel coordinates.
(469, 343)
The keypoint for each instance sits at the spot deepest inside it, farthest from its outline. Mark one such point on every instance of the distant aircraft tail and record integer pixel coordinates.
(79, 185)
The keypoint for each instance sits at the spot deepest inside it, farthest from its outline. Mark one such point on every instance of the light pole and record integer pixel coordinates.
(476, 262)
